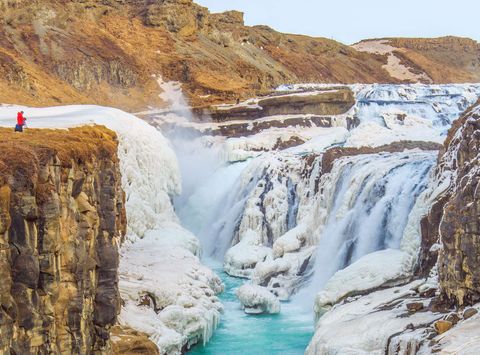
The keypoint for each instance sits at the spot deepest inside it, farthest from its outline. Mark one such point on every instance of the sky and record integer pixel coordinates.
(349, 21)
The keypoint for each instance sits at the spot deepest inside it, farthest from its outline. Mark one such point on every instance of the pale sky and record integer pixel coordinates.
(349, 21)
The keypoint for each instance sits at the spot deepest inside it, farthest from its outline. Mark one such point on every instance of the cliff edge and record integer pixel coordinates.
(62, 217)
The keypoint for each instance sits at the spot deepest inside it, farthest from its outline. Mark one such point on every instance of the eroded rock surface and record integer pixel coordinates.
(62, 218)
(107, 52)
(459, 258)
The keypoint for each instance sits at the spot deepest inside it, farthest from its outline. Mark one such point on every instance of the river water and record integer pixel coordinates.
(286, 333)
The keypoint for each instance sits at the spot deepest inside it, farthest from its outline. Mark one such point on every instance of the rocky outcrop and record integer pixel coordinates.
(62, 219)
(127, 341)
(333, 154)
(106, 52)
(459, 228)
(328, 102)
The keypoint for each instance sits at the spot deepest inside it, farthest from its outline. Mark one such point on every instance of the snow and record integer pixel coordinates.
(394, 64)
(378, 269)
(317, 139)
(386, 113)
(257, 299)
(363, 325)
(163, 266)
(462, 339)
(374, 135)
(159, 257)
(150, 173)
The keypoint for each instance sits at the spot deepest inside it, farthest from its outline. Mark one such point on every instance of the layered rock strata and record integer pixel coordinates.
(62, 218)
(112, 53)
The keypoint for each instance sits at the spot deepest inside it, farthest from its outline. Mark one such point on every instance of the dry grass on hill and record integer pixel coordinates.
(22, 153)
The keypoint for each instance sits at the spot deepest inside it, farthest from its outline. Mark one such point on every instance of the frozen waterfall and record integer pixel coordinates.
(367, 200)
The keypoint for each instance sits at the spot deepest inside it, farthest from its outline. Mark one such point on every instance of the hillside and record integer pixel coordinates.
(108, 52)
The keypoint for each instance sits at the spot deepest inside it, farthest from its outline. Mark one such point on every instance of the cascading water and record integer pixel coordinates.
(368, 199)
(213, 209)
(281, 226)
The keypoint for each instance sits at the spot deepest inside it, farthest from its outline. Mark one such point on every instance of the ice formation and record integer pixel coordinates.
(257, 299)
(364, 325)
(273, 216)
(291, 228)
(159, 265)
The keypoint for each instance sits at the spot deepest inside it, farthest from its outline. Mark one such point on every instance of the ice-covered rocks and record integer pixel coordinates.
(257, 299)
(168, 294)
(241, 259)
(373, 271)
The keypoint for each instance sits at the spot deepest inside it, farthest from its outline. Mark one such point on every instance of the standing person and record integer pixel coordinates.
(21, 120)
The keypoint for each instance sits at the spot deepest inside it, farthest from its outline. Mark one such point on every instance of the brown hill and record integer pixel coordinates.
(107, 52)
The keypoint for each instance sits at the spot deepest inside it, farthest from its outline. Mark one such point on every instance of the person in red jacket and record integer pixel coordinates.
(21, 120)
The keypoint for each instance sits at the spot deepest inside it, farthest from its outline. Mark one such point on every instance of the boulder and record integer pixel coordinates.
(469, 312)
(441, 326)
(415, 306)
(257, 299)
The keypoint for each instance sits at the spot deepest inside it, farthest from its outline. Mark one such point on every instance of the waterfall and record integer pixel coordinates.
(367, 200)
(212, 211)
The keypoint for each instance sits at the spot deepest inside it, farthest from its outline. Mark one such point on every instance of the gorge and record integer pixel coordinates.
(254, 191)
(321, 223)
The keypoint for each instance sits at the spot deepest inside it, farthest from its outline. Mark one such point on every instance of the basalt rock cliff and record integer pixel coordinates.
(458, 226)
(112, 52)
(62, 218)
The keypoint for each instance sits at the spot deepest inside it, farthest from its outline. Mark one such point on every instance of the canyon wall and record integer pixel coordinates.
(459, 227)
(62, 218)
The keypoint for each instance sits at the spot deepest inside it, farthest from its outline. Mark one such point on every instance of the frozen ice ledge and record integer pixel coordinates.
(50, 196)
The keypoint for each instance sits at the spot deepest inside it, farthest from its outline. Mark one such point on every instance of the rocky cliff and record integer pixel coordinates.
(62, 218)
(459, 226)
(108, 52)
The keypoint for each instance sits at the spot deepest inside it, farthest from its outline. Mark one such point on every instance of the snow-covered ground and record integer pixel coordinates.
(394, 64)
(273, 216)
(363, 325)
(159, 259)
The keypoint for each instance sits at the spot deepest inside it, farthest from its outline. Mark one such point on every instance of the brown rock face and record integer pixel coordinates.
(459, 260)
(106, 52)
(330, 102)
(62, 218)
(453, 219)
(126, 341)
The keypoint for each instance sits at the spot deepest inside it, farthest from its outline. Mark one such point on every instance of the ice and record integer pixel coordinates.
(183, 308)
(364, 207)
(257, 299)
(241, 259)
(159, 257)
(372, 271)
(364, 325)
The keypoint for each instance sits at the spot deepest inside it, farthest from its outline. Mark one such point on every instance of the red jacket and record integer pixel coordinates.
(20, 119)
